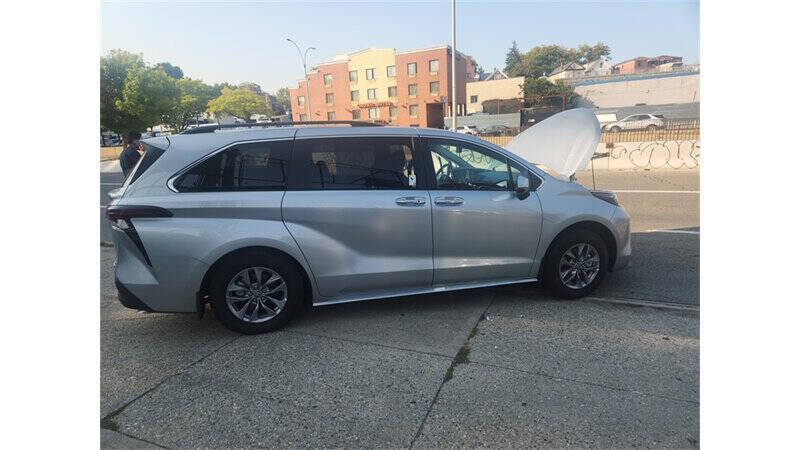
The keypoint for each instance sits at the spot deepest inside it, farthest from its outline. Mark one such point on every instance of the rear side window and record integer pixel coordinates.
(353, 163)
(151, 154)
(260, 166)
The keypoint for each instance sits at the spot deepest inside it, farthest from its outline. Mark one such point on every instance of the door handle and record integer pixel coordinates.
(410, 201)
(449, 201)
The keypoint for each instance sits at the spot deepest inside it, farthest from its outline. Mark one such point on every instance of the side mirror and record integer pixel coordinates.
(523, 187)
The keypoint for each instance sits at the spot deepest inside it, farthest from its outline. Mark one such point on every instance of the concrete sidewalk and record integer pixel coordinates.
(488, 367)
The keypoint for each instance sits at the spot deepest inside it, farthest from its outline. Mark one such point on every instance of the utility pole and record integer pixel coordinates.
(303, 57)
(453, 62)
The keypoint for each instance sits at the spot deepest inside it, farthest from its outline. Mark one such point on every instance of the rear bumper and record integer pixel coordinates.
(129, 300)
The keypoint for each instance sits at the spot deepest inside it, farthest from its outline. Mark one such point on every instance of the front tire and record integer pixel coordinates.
(576, 264)
(255, 292)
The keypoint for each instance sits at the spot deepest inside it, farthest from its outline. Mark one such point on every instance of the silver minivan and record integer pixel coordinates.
(258, 221)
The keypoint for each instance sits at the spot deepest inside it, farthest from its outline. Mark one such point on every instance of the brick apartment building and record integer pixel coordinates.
(409, 88)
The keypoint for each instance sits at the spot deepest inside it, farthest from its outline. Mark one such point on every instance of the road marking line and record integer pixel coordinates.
(650, 303)
(674, 231)
(654, 192)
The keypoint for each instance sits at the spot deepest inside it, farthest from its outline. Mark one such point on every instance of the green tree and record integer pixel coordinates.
(252, 87)
(194, 98)
(241, 103)
(148, 96)
(543, 59)
(542, 87)
(114, 70)
(585, 53)
(173, 71)
(513, 58)
(283, 102)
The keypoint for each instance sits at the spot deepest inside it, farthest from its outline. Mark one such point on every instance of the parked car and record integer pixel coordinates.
(257, 222)
(472, 130)
(637, 122)
(496, 130)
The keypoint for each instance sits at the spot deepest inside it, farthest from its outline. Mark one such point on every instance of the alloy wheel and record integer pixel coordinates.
(579, 266)
(256, 294)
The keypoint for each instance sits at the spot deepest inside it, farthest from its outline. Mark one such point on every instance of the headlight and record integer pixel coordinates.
(606, 196)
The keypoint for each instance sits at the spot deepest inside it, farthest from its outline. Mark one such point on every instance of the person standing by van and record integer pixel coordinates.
(130, 154)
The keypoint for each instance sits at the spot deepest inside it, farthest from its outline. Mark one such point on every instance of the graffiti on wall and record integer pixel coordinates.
(654, 154)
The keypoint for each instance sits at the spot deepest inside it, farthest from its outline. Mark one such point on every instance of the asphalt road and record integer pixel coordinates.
(665, 218)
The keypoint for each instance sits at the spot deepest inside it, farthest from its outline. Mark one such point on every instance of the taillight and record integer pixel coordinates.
(120, 217)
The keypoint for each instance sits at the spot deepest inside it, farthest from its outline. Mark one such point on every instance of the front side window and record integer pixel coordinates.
(372, 94)
(353, 163)
(412, 69)
(434, 88)
(433, 65)
(462, 166)
(391, 71)
(328, 79)
(370, 73)
(260, 166)
(329, 98)
(353, 76)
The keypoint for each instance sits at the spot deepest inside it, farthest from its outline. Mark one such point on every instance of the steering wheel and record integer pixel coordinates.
(440, 174)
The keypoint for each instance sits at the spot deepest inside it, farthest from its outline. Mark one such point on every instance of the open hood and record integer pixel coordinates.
(564, 142)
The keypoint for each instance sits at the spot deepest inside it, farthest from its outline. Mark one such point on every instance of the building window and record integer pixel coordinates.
(329, 98)
(356, 114)
(434, 88)
(392, 91)
(393, 112)
(473, 99)
(433, 65)
(412, 69)
(328, 79)
(303, 117)
(372, 94)
(391, 71)
(301, 100)
(370, 74)
(331, 115)
(412, 90)
(353, 76)
(354, 96)
(413, 110)
(374, 113)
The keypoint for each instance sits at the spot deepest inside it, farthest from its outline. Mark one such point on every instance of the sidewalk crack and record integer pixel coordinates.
(462, 357)
(107, 422)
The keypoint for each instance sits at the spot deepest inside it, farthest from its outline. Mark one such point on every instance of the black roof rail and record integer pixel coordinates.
(214, 127)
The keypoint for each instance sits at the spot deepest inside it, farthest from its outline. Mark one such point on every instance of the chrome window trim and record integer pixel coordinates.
(177, 174)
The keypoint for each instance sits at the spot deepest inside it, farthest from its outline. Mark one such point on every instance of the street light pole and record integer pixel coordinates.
(453, 61)
(303, 56)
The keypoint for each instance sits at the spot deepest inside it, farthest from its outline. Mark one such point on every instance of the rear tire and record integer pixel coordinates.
(652, 128)
(265, 300)
(576, 264)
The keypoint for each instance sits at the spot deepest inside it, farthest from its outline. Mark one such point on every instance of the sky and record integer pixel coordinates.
(237, 42)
